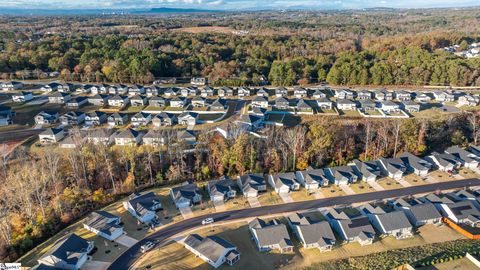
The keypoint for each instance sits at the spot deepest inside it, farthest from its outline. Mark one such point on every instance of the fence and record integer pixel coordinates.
(460, 230)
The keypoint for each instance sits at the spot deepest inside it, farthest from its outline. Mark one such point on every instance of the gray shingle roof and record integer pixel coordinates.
(212, 247)
(271, 233)
(143, 203)
(415, 162)
(424, 211)
(70, 249)
(394, 221)
(101, 221)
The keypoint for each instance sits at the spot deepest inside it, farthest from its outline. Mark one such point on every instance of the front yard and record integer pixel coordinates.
(389, 183)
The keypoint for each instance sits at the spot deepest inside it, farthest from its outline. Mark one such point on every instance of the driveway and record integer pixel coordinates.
(95, 265)
(286, 197)
(347, 189)
(186, 212)
(219, 206)
(126, 240)
(376, 185)
(404, 183)
(430, 179)
(253, 201)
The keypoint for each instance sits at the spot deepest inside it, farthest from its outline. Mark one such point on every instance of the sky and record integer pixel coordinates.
(232, 4)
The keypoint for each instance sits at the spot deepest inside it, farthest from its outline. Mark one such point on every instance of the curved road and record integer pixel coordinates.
(126, 260)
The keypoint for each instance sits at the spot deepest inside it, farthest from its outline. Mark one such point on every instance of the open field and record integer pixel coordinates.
(205, 29)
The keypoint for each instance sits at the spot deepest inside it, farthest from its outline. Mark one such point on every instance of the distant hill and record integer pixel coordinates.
(178, 10)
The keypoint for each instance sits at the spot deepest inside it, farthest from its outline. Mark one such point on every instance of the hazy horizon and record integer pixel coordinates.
(229, 4)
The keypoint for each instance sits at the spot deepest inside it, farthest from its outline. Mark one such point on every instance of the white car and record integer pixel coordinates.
(207, 221)
(147, 246)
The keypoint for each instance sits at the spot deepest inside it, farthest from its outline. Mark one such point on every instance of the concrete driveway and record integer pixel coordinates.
(126, 240)
(95, 265)
(253, 201)
(347, 189)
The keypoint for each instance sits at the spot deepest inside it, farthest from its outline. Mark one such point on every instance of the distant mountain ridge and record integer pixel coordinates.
(178, 10)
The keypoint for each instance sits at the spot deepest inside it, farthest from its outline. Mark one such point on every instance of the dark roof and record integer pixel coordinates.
(143, 203)
(271, 233)
(415, 162)
(252, 180)
(220, 186)
(359, 226)
(367, 168)
(281, 179)
(51, 131)
(128, 134)
(212, 247)
(424, 211)
(314, 175)
(69, 249)
(186, 191)
(103, 222)
(394, 221)
(313, 232)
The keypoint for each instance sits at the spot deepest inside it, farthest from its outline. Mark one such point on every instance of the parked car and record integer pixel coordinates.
(147, 246)
(207, 221)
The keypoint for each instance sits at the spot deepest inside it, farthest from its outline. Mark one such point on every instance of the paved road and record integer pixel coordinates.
(17, 135)
(126, 260)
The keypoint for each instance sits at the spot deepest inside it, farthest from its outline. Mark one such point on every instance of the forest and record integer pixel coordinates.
(362, 48)
(47, 188)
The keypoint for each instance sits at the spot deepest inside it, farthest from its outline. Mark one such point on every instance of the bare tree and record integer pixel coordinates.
(294, 138)
(473, 120)
(396, 130)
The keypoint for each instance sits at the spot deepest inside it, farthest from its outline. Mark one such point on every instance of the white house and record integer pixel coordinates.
(104, 224)
(212, 249)
(22, 96)
(143, 206)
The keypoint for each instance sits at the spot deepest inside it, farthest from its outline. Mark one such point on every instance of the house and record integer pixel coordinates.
(117, 119)
(367, 105)
(263, 92)
(271, 235)
(72, 118)
(443, 96)
(152, 91)
(186, 136)
(67, 87)
(217, 105)
(143, 206)
(164, 119)
(141, 119)
(221, 190)
(312, 234)
(389, 106)
(261, 102)
(411, 106)
(393, 223)
(198, 102)
(462, 212)
(212, 249)
(118, 101)
(154, 138)
(200, 81)
(243, 92)
(422, 97)
(84, 89)
(318, 94)
(59, 98)
(445, 162)
(364, 95)
(282, 103)
(368, 171)
(98, 100)
(5, 119)
(188, 119)
(252, 184)
(284, 182)
(51, 87)
(69, 253)
(185, 195)
(95, 118)
(177, 102)
(104, 224)
(423, 213)
(468, 159)
(383, 95)
(171, 92)
(225, 92)
(100, 136)
(324, 103)
(185, 92)
(402, 95)
(22, 96)
(344, 94)
(312, 179)
(138, 101)
(157, 101)
(468, 100)
(136, 90)
(304, 107)
(415, 164)
(437, 200)
(76, 102)
(392, 167)
(128, 137)
(342, 175)
(251, 121)
(346, 105)
(369, 210)
(46, 117)
(100, 89)
(51, 135)
(356, 229)
(119, 89)
(281, 92)
(207, 92)
(300, 92)
(10, 86)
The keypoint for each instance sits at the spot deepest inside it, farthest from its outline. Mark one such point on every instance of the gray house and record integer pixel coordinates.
(424, 213)
(271, 235)
(468, 159)
(117, 119)
(392, 167)
(212, 249)
(342, 175)
(356, 229)
(312, 179)
(445, 162)
(368, 171)
(72, 118)
(98, 100)
(143, 206)
(68, 253)
(95, 118)
(415, 164)
(185, 195)
(284, 182)
(394, 223)
(312, 234)
(252, 184)
(221, 190)
(104, 224)
(462, 212)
